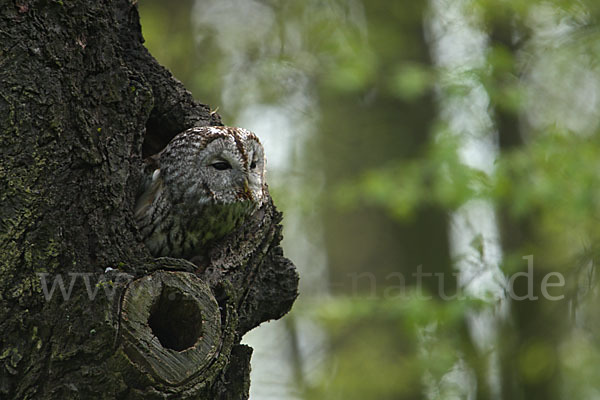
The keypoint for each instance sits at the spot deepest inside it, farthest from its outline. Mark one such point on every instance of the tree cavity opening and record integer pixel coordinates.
(176, 320)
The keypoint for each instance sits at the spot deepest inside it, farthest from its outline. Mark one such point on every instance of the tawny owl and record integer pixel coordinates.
(199, 188)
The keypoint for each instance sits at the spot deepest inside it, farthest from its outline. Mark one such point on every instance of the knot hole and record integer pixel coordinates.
(176, 319)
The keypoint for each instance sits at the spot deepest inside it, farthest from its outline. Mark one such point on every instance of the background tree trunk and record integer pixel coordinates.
(80, 101)
(534, 325)
(384, 128)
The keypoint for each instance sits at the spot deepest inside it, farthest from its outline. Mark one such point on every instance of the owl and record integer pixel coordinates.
(203, 185)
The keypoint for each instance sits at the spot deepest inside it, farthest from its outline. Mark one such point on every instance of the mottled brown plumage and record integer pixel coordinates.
(201, 187)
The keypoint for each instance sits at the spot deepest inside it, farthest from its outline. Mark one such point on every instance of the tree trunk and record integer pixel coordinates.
(538, 323)
(384, 129)
(85, 311)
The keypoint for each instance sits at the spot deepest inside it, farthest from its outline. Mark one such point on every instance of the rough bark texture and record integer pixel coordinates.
(80, 101)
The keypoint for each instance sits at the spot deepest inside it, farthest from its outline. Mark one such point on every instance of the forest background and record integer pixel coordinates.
(438, 166)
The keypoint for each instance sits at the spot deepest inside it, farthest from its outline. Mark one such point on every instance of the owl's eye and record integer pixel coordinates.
(221, 165)
(253, 165)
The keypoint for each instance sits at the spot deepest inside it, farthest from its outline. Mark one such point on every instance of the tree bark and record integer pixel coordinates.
(81, 102)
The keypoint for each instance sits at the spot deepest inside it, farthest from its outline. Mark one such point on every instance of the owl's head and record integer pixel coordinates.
(215, 164)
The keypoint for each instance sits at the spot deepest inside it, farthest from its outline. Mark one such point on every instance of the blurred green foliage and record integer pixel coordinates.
(412, 117)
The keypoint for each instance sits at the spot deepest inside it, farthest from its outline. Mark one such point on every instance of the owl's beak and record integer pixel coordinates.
(247, 190)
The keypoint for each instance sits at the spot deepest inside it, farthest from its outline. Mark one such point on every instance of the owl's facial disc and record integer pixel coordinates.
(256, 170)
(224, 172)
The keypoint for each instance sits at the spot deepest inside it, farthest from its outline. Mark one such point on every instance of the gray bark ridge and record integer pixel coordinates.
(85, 311)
